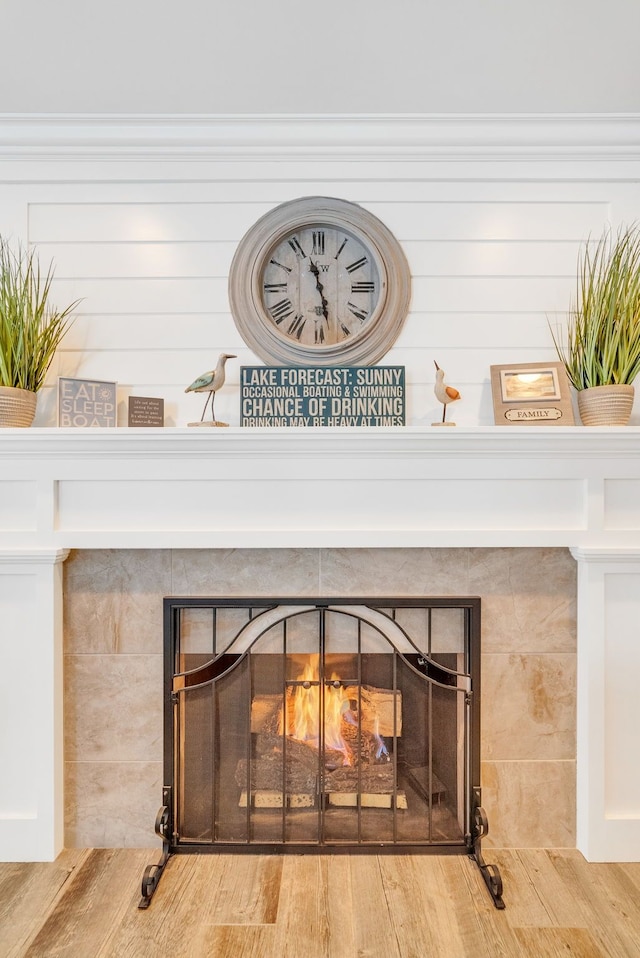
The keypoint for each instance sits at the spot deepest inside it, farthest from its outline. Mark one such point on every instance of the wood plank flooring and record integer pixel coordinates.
(84, 905)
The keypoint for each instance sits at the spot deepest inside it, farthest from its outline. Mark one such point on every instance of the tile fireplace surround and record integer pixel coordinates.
(525, 518)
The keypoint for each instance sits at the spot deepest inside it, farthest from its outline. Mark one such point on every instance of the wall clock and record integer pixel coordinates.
(319, 281)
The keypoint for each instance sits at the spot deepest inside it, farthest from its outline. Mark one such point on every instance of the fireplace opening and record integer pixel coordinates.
(322, 725)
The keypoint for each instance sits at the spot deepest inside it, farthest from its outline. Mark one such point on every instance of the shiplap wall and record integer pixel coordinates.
(146, 245)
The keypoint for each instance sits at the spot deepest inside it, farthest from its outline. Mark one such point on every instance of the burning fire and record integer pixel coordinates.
(303, 714)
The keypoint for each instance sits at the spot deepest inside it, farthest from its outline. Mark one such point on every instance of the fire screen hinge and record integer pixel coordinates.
(153, 873)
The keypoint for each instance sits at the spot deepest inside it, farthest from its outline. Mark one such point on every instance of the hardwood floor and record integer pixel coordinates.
(84, 905)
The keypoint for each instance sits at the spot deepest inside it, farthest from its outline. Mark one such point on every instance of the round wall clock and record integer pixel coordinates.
(319, 281)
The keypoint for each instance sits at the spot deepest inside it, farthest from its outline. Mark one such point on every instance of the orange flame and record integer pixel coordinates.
(304, 718)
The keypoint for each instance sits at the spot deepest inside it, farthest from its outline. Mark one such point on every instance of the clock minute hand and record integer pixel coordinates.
(316, 272)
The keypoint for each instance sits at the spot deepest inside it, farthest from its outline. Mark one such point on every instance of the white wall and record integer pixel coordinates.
(337, 56)
(142, 224)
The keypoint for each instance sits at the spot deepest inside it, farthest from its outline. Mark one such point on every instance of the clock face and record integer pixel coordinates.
(320, 285)
(319, 281)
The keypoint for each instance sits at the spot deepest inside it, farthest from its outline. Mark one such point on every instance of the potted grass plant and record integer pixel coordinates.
(601, 352)
(31, 330)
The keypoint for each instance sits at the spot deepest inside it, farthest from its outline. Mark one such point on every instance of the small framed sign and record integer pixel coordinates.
(86, 402)
(526, 394)
(145, 411)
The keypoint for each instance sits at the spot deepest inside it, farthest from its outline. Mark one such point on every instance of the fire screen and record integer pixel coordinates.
(326, 724)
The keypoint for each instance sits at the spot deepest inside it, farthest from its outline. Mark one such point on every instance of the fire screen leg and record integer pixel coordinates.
(153, 873)
(490, 873)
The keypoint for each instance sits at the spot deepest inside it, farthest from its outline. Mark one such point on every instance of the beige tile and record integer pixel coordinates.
(528, 706)
(113, 708)
(394, 572)
(113, 600)
(245, 572)
(113, 604)
(529, 599)
(530, 804)
(112, 804)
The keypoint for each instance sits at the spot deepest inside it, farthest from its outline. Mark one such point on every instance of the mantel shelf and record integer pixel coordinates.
(348, 443)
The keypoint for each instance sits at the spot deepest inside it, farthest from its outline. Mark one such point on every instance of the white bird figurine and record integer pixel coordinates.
(444, 394)
(210, 383)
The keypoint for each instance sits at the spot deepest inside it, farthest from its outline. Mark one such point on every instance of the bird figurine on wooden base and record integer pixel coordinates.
(444, 394)
(210, 383)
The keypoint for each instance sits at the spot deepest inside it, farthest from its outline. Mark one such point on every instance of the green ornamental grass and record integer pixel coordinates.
(30, 328)
(603, 333)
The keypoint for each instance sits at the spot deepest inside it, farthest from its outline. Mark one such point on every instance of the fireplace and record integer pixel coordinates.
(322, 724)
(526, 518)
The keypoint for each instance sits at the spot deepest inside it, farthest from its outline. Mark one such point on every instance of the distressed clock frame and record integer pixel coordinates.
(246, 279)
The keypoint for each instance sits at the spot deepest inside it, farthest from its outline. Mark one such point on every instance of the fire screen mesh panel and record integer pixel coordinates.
(329, 723)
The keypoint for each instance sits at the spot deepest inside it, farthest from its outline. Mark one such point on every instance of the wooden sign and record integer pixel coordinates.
(145, 411)
(86, 402)
(322, 396)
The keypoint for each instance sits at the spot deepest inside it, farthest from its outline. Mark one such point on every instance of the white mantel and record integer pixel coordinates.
(234, 488)
(182, 488)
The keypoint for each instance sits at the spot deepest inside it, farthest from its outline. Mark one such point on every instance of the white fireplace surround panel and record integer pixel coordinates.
(232, 488)
(536, 486)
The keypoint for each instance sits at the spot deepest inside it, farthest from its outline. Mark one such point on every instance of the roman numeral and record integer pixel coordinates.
(295, 246)
(345, 329)
(278, 287)
(366, 287)
(274, 262)
(296, 327)
(357, 264)
(318, 243)
(319, 335)
(342, 246)
(281, 310)
(360, 314)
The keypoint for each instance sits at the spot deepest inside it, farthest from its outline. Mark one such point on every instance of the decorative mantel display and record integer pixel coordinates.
(86, 403)
(527, 394)
(31, 330)
(145, 411)
(210, 382)
(319, 281)
(601, 350)
(444, 394)
(322, 396)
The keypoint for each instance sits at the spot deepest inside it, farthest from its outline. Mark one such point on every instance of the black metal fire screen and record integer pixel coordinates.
(322, 724)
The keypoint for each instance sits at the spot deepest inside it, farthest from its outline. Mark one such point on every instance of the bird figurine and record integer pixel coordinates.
(444, 394)
(210, 383)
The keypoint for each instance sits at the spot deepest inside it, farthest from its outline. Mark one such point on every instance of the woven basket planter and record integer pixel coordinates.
(17, 406)
(605, 405)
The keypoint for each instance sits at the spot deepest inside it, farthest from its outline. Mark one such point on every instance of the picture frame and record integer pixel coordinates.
(86, 403)
(527, 394)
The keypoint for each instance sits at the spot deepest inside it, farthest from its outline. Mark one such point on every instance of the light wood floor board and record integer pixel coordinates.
(27, 892)
(96, 899)
(84, 905)
(302, 915)
(555, 942)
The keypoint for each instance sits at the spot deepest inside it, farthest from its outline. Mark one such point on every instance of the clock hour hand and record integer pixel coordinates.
(316, 272)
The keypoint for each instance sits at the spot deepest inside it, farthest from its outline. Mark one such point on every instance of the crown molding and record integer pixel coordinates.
(600, 556)
(36, 557)
(281, 137)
